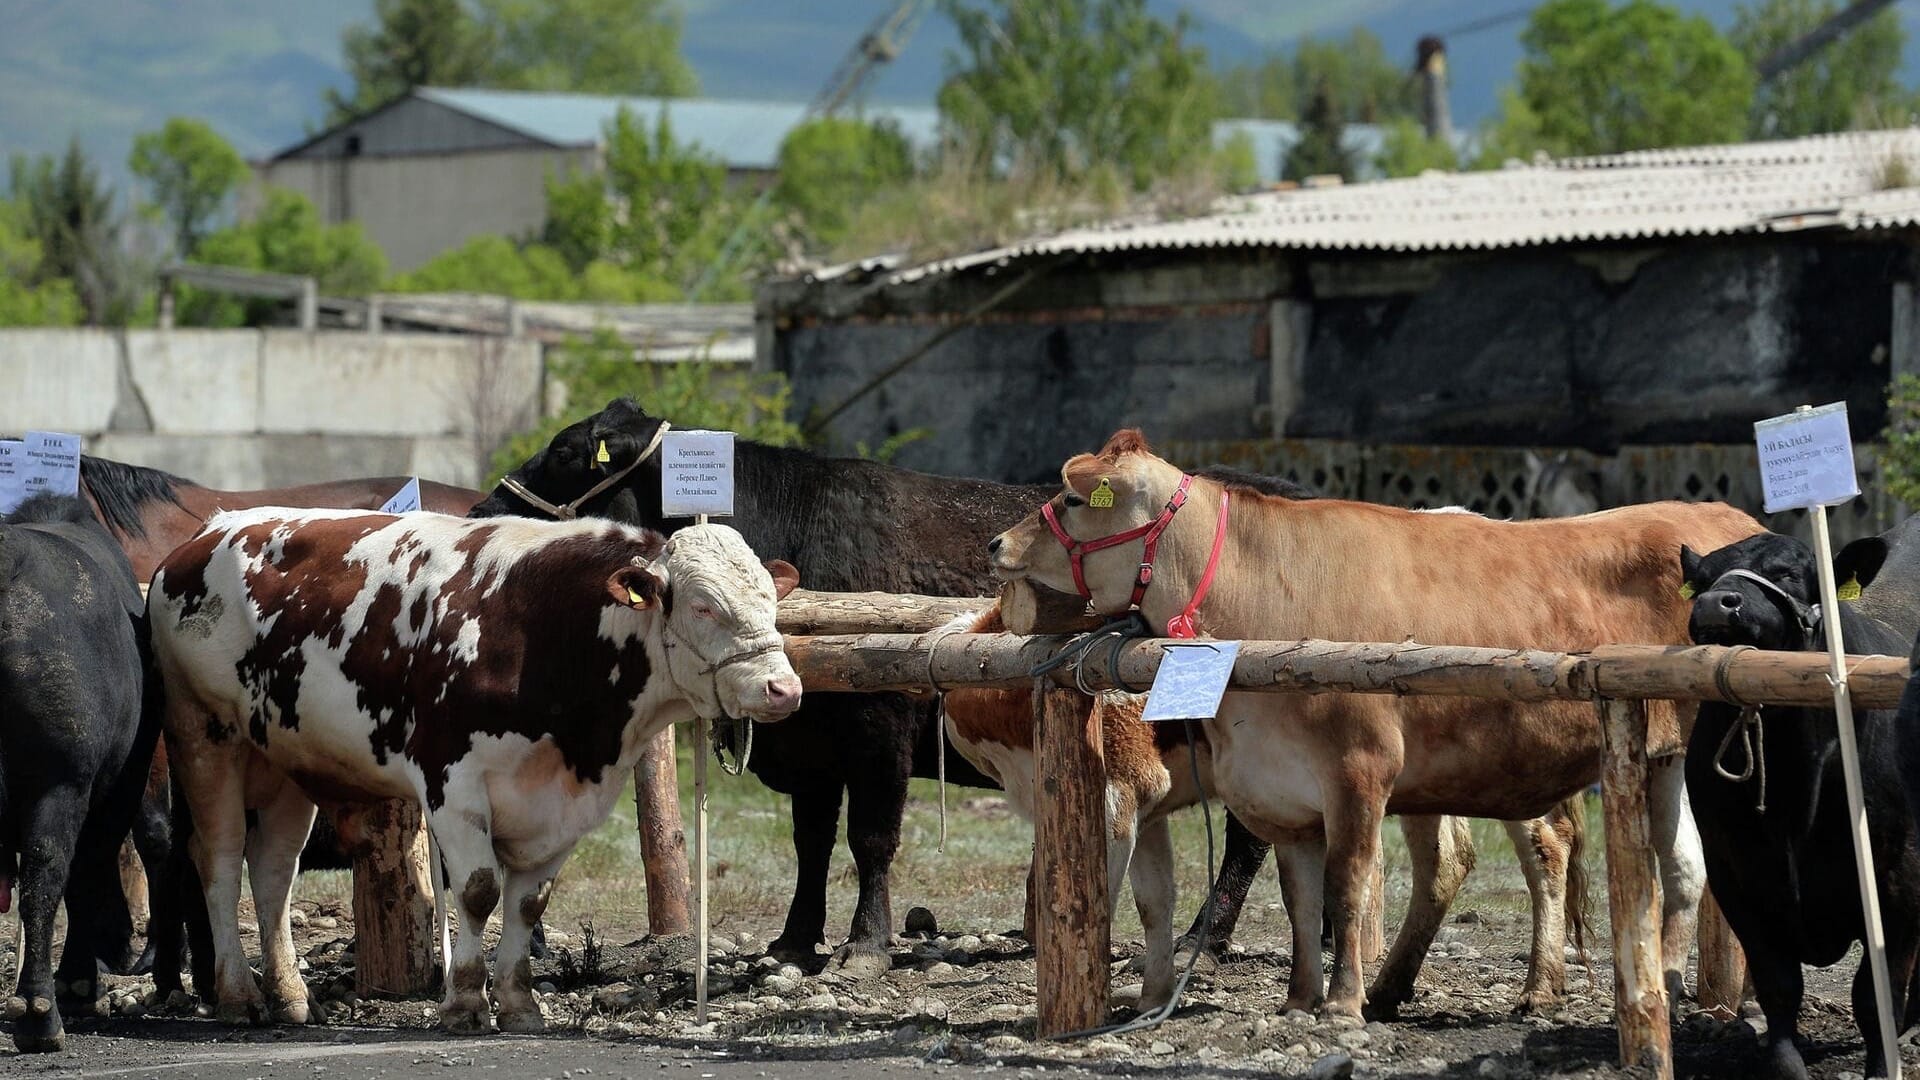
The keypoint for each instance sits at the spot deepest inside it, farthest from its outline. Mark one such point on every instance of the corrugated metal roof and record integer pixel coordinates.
(747, 134)
(1825, 181)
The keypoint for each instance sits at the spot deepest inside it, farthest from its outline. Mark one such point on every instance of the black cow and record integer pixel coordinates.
(77, 730)
(1777, 841)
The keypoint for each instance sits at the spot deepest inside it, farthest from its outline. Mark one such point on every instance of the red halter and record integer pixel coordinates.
(1180, 626)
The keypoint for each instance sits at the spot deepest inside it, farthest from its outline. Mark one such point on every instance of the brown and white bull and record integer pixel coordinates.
(504, 673)
(1316, 776)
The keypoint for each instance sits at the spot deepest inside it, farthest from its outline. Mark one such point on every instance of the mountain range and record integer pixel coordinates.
(255, 69)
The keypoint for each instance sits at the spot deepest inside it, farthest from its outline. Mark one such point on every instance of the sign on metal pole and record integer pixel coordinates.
(696, 473)
(1806, 462)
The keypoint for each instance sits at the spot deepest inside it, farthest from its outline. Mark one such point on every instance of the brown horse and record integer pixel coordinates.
(150, 513)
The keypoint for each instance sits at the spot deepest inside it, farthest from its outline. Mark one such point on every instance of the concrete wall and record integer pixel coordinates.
(419, 205)
(243, 409)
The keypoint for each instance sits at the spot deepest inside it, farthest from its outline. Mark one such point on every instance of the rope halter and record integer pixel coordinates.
(570, 510)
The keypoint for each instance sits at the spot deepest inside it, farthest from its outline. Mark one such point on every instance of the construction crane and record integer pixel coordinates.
(879, 46)
(1803, 48)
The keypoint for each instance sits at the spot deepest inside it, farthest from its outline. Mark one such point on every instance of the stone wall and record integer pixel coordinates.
(242, 409)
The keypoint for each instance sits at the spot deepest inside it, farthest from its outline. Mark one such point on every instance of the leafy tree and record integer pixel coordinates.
(1406, 150)
(828, 168)
(494, 264)
(25, 299)
(1599, 79)
(69, 215)
(1073, 86)
(693, 394)
(285, 237)
(1853, 77)
(412, 43)
(587, 46)
(1369, 87)
(1321, 150)
(190, 173)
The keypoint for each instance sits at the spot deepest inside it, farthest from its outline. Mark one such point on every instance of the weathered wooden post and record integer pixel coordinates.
(1723, 966)
(663, 837)
(1073, 940)
(1633, 895)
(392, 916)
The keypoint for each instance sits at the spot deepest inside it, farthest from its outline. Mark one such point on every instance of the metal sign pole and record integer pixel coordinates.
(700, 859)
(1876, 937)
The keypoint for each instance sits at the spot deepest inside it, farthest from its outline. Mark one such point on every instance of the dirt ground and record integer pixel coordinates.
(619, 1005)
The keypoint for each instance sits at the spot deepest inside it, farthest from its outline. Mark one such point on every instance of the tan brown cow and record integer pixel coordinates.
(1316, 777)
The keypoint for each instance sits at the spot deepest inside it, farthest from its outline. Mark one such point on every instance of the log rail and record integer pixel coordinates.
(1069, 830)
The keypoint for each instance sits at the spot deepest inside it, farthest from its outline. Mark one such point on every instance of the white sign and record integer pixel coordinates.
(1192, 678)
(696, 473)
(45, 462)
(406, 500)
(1806, 458)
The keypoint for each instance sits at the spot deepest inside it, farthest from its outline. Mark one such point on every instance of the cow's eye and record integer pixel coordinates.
(1073, 500)
(703, 611)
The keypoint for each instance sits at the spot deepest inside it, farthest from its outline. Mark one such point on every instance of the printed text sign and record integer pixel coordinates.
(1806, 459)
(1191, 680)
(696, 473)
(43, 462)
(406, 500)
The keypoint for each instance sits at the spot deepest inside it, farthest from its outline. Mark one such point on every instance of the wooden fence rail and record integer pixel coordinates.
(1069, 849)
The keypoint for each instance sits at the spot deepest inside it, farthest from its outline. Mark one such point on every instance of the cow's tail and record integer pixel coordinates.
(1579, 889)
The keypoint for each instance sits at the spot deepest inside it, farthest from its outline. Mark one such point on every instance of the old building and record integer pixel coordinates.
(1582, 314)
(435, 167)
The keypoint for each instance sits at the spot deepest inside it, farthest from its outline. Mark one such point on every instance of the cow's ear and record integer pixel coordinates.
(1859, 563)
(1689, 564)
(785, 577)
(636, 587)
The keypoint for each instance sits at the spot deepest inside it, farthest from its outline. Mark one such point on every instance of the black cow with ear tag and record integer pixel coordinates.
(1768, 793)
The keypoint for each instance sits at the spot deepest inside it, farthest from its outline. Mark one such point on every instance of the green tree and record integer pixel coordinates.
(1369, 87)
(494, 264)
(1405, 150)
(25, 298)
(1321, 150)
(828, 168)
(1854, 77)
(69, 215)
(1899, 454)
(1073, 86)
(285, 237)
(1599, 79)
(412, 43)
(190, 172)
(586, 46)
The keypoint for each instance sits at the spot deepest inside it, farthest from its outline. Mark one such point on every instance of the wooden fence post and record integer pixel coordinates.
(1723, 966)
(1633, 895)
(392, 915)
(1072, 944)
(663, 837)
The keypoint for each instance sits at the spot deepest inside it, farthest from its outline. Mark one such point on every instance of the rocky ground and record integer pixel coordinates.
(617, 1006)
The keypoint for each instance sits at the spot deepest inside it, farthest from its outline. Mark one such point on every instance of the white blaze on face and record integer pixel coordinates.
(723, 607)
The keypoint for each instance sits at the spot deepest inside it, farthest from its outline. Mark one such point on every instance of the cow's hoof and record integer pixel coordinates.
(859, 962)
(1156, 998)
(295, 1012)
(1343, 1012)
(526, 1021)
(788, 951)
(1384, 1010)
(464, 1018)
(38, 1030)
(242, 1013)
(1183, 947)
(1537, 1003)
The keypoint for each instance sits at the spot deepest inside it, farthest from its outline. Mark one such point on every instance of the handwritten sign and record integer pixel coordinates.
(45, 462)
(696, 473)
(1806, 458)
(1192, 678)
(404, 501)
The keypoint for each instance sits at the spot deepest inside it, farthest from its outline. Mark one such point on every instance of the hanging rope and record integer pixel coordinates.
(940, 724)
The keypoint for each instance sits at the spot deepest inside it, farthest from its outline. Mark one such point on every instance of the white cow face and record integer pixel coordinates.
(723, 652)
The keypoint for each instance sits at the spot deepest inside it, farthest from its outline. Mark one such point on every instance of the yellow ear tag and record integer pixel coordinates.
(1102, 496)
(601, 456)
(635, 598)
(1686, 591)
(1849, 589)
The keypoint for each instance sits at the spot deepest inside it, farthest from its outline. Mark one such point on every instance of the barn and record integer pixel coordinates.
(1604, 327)
(436, 166)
